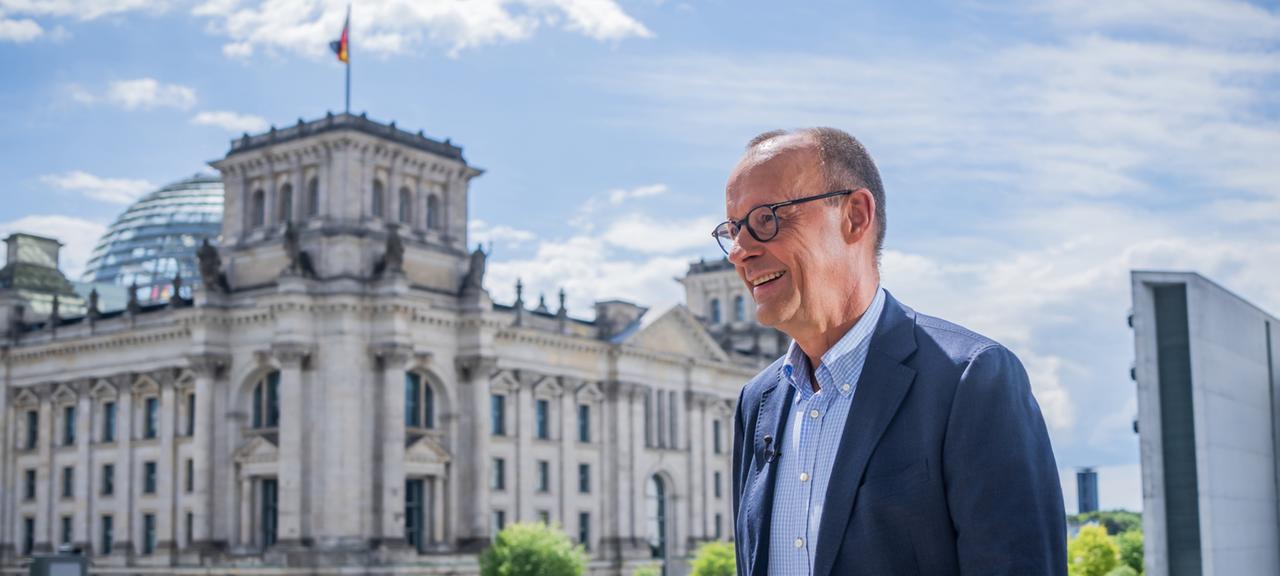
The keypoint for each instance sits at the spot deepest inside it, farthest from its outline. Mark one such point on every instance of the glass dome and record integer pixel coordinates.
(157, 237)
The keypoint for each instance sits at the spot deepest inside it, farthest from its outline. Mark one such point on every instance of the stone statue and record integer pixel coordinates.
(392, 261)
(134, 306)
(299, 260)
(93, 311)
(211, 268)
(175, 298)
(474, 280)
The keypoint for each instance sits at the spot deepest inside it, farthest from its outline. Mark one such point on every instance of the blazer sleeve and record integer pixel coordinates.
(1002, 483)
(739, 432)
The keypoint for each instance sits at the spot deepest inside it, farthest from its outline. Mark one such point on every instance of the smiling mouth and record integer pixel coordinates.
(767, 278)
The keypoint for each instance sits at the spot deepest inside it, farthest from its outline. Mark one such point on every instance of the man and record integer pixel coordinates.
(884, 441)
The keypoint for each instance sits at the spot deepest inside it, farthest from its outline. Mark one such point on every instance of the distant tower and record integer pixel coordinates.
(716, 295)
(1087, 489)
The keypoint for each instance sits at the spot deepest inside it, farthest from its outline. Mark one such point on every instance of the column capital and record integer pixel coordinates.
(208, 364)
(391, 353)
(290, 354)
(700, 399)
(632, 389)
(475, 366)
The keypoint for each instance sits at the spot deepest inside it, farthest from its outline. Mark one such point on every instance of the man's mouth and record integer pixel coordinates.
(767, 278)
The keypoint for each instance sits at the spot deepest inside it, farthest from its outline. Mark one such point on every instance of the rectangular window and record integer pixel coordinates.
(584, 478)
(584, 529)
(544, 516)
(269, 514)
(106, 535)
(109, 422)
(148, 534)
(66, 529)
(499, 521)
(498, 476)
(542, 419)
(191, 414)
(191, 475)
(68, 482)
(584, 423)
(717, 484)
(151, 427)
(33, 429)
(28, 535)
(29, 484)
(191, 528)
(412, 392)
(544, 476)
(715, 435)
(719, 525)
(149, 478)
(498, 414)
(108, 479)
(69, 426)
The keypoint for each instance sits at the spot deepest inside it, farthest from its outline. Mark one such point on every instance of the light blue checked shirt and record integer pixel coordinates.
(809, 444)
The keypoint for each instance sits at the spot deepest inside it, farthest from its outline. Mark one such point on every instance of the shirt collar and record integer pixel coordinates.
(796, 366)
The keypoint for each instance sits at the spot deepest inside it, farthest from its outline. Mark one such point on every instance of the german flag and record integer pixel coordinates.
(340, 45)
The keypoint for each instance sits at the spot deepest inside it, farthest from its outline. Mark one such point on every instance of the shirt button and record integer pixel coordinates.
(804, 476)
(813, 413)
(844, 388)
(799, 542)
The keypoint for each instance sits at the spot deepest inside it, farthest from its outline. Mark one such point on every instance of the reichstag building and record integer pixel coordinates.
(294, 367)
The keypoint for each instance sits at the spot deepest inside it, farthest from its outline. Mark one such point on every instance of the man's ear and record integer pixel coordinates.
(859, 212)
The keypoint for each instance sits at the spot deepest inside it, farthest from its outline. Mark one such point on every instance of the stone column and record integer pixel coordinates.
(394, 359)
(246, 513)
(293, 427)
(83, 534)
(636, 468)
(523, 479)
(700, 498)
(437, 509)
(207, 368)
(472, 487)
(567, 477)
(47, 474)
(8, 489)
(123, 545)
(168, 479)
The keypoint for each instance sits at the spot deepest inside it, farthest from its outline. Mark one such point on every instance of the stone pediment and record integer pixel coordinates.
(258, 450)
(426, 451)
(678, 331)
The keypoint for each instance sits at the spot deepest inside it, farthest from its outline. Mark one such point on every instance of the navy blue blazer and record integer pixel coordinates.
(944, 468)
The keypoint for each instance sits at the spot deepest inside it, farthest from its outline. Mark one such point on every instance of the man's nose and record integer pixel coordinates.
(744, 246)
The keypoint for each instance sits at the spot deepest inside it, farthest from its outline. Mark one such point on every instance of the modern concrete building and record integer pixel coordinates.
(1208, 375)
(1086, 490)
(341, 396)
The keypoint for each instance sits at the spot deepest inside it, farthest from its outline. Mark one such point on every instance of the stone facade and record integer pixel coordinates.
(341, 395)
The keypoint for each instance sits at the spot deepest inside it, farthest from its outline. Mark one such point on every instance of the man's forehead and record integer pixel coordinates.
(771, 171)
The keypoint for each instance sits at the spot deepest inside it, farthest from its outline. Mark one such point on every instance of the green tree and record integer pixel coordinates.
(648, 570)
(532, 549)
(1115, 521)
(1123, 570)
(1092, 552)
(714, 559)
(1131, 549)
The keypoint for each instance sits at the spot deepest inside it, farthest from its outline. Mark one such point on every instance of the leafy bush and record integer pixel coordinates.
(1115, 521)
(1123, 570)
(648, 570)
(1092, 552)
(532, 549)
(1131, 550)
(714, 559)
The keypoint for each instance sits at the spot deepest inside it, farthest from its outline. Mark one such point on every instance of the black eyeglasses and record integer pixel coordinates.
(761, 221)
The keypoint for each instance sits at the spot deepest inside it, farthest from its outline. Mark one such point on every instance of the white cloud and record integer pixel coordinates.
(230, 121)
(620, 195)
(642, 234)
(393, 26)
(19, 31)
(147, 93)
(83, 10)
(113, 190)
(483, 233)
(77, 235)
(1204, 20)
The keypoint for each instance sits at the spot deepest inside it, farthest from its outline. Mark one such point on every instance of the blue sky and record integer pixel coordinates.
(1033, 152)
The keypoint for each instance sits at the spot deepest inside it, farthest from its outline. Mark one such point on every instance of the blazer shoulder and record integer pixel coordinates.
(765, 379)
(958, 343)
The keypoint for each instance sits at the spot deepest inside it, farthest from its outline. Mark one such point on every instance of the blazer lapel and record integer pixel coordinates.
(775, 403)
(884, 383)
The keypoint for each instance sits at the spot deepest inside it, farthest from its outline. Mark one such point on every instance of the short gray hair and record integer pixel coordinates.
(845, 164)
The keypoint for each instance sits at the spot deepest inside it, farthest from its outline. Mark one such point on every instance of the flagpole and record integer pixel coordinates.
(348, 105)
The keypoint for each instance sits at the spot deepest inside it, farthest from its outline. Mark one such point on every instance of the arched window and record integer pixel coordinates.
(715, 311)
(739, 309)
(258, 214)
(266, 401)
(406, 205)
(419, 402)
(313, 196)
(655, 497)
(433, 212)
(377, 198)
(286, 202)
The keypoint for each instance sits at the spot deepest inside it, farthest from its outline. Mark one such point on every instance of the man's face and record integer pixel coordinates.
(810, 250)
